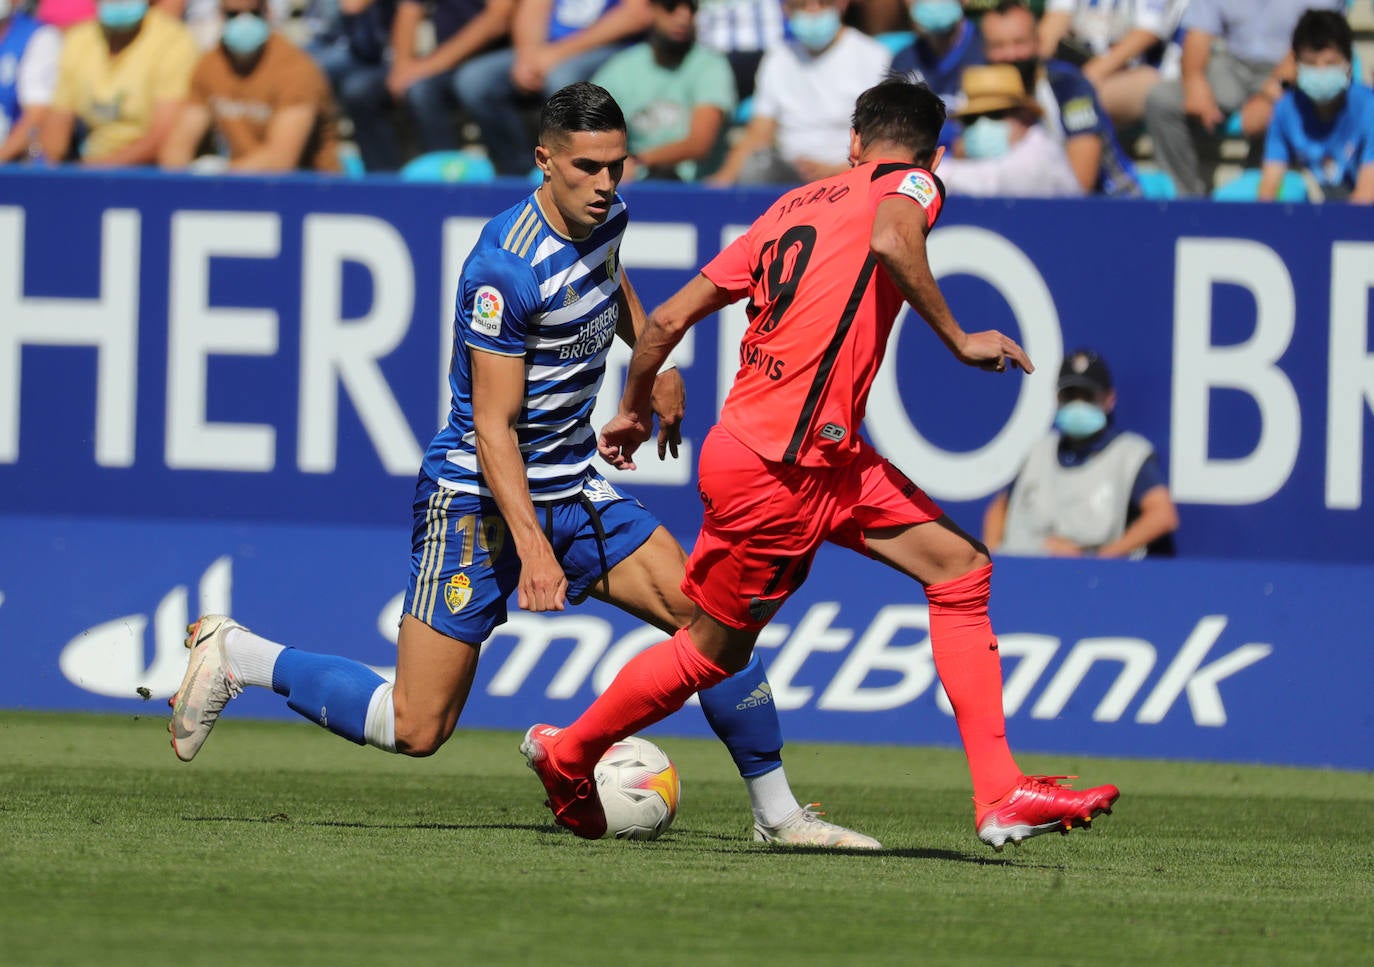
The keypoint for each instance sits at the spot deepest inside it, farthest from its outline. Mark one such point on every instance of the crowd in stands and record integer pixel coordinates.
(1046, 97)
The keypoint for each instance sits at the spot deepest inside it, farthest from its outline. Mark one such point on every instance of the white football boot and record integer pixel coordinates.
(206, 689)
(806, 828)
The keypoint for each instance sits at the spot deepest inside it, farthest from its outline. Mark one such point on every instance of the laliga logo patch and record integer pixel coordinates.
(920, 186)
(458, 592)
(610, 262)
(486, 311)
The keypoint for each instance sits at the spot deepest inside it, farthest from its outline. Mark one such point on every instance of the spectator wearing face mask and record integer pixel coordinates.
(1325, 125)
(29, 51)
(124, 75)
(266, 101)
(1006, 151)
(1072, 114)
(944, 43)
(676, 95)
(805, 98)
(1087, 489)
(1235, 58)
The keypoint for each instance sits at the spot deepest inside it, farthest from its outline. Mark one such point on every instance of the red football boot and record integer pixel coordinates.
(574, 802)
(1039, 804)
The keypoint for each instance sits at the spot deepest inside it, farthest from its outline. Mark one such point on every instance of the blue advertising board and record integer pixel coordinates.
(214, 393)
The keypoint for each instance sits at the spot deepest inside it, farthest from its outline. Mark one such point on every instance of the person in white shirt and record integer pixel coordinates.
(29, 52)
(804, 97)
(1005, 150)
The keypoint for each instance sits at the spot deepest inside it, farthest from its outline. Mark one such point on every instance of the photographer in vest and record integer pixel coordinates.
(1088, 489)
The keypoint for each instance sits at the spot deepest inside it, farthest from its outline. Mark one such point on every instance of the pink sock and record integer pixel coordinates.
(970, 669)
(652, 686)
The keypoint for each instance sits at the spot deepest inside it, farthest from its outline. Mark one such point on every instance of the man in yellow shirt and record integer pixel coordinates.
(124, 76)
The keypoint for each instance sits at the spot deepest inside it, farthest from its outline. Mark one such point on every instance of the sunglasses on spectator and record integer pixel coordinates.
(1000, 115)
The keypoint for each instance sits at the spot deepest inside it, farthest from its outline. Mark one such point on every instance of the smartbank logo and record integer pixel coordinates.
(895, 646)
(893, 649)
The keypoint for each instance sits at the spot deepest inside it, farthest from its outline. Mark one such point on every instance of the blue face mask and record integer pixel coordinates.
(1079, 419)
(1323, 84)
(245, 33)
(815, 31)
(937, 16)
(987, 138)
(121, 14)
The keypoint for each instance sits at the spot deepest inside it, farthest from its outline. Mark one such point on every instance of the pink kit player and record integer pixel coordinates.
(826, 270)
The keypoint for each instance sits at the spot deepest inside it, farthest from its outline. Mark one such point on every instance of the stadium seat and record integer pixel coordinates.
(351, 162)
(1293, 188)
(1155, 183)
(895, 40)
(451, 166)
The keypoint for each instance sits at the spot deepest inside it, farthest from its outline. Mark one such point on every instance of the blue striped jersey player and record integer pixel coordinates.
(508, 499)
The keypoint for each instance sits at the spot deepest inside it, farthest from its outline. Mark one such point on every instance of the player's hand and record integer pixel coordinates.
(543, 585)
(1056, 546)
(669, 401)
(1200, 102)
(993, 351)
(619, 440)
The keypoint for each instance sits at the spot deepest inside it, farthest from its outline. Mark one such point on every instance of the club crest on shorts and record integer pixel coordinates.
(458, 592)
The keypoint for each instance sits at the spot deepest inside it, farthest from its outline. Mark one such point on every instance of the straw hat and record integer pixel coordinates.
(994, 87)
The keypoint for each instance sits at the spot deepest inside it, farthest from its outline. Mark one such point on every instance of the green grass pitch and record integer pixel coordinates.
(284, 845)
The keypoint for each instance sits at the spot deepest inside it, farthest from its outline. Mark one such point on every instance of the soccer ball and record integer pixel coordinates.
(639, 789)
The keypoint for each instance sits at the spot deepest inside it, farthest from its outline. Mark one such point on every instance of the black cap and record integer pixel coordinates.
(1085, 369)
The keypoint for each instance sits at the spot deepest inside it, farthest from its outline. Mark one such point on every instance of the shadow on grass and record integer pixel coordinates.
(357, 824)
(944, 855)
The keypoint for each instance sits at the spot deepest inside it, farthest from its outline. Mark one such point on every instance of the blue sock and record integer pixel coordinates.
(330, 691)
(741, 712)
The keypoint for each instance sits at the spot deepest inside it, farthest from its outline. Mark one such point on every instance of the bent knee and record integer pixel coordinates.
(421, 739)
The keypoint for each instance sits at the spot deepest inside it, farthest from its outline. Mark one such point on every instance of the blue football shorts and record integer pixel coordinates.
(463, 564)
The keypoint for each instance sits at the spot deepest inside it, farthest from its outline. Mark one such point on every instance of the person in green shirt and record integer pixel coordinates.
(677, 95)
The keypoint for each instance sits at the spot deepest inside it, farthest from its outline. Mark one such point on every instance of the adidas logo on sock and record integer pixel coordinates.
(759, 696)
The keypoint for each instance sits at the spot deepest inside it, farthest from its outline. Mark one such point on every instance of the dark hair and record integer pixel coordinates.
(1005, 7)
(579, 107)
(1321, 29)
(903, 112)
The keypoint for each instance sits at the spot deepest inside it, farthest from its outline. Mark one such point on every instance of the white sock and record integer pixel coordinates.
(771, 796)
(379, 728)
(251, 657)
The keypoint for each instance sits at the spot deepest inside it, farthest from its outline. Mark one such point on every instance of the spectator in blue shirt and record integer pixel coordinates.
(1325, 126)
(1235, 53)
(945, 42)
(1072, 114)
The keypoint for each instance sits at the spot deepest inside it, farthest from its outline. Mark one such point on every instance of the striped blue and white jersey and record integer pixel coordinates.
(528, 291)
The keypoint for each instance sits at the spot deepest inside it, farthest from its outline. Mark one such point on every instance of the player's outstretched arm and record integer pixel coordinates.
(669, 397)
(664, 329)
(498, 393)
(898, 241)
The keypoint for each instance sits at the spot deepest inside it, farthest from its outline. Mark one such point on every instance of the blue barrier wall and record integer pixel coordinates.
(213, 394)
